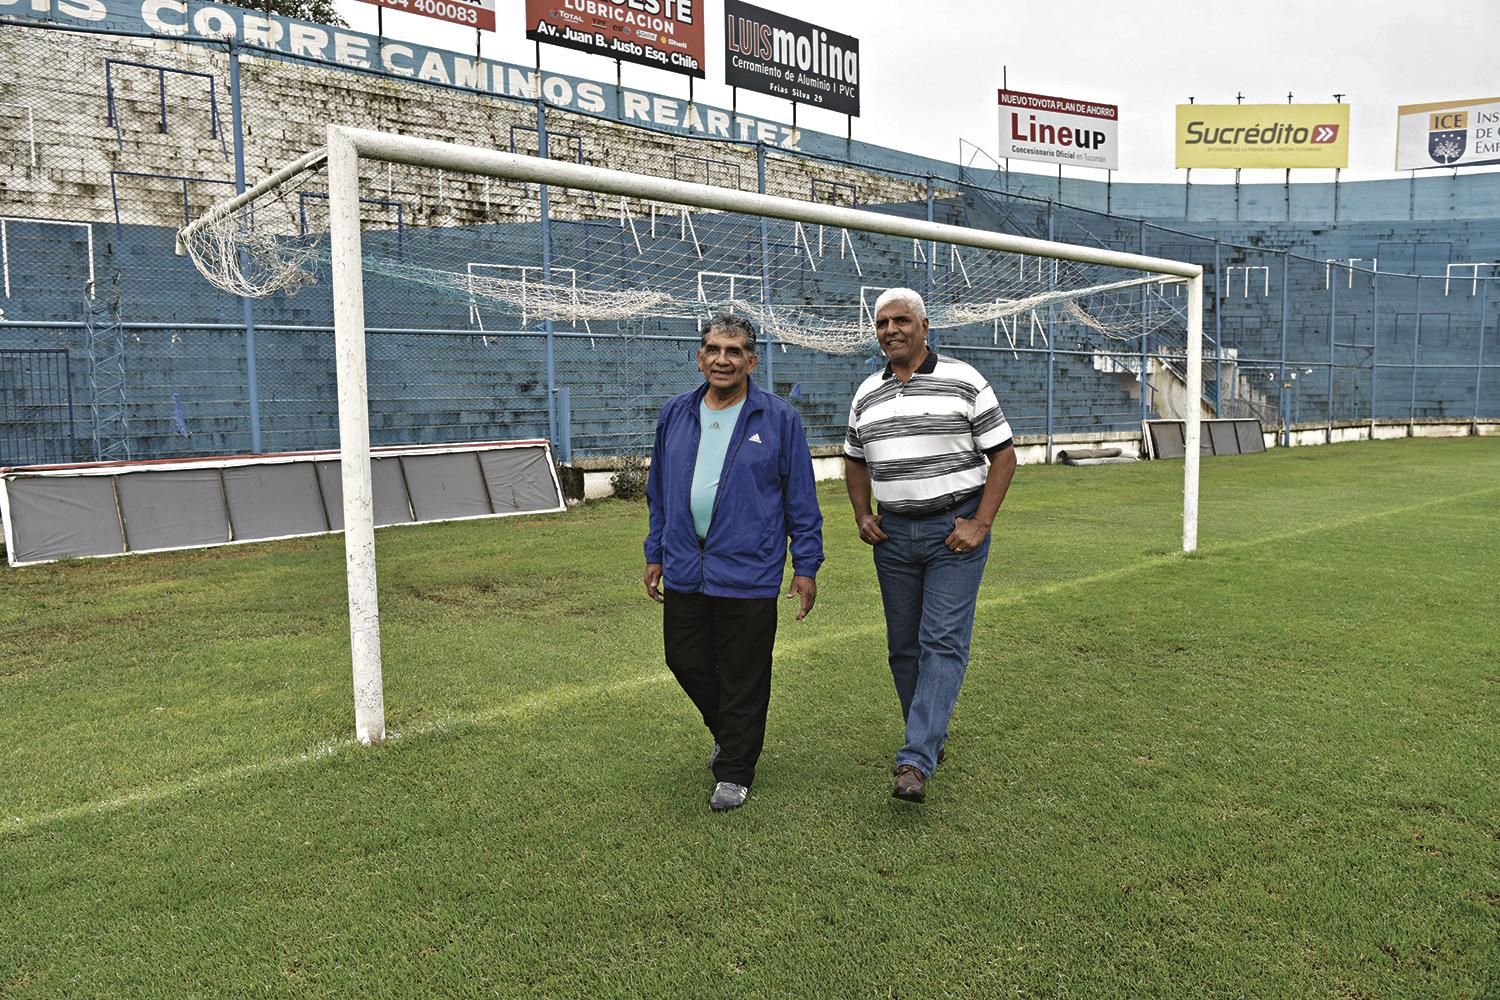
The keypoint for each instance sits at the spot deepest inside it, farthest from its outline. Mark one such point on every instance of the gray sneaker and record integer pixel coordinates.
(713, 758)
(727, 795)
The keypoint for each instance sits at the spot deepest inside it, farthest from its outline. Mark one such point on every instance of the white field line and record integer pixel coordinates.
(564, 694)
(524, 707)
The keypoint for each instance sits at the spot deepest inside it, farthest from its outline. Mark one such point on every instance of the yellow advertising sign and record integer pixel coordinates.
(1263, 135)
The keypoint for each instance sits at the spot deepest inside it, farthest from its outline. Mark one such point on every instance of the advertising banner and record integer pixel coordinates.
(276, 37)
(779, 55)
(470, 13)
(1262, 135)
(1448, 134)
(1059, 130)
(667, 34)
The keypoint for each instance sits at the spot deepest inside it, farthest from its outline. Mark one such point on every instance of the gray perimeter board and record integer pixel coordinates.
(64, 517)
(168, 509)
(56, 514)
(1252, 440)
(391, 503)
(445, 486)
(1167, 440)
(520, 479)
(270, 501)
(1223, 437)
(1239, 436)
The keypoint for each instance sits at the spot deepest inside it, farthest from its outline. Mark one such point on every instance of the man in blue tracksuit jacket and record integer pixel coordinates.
(731, 480)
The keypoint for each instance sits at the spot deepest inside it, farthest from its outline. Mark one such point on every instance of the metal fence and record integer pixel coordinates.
(124, 138)
(36, 407)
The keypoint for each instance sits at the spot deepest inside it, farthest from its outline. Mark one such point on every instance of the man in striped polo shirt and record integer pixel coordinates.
(920, 432)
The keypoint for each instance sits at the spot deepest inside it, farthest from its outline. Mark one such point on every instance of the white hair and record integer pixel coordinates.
(904, 296)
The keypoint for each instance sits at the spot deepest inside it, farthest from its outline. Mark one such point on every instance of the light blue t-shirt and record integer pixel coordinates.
(715, 429)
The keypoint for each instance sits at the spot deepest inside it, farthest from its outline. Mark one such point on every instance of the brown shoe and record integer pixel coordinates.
(942, 756)
(910, 784)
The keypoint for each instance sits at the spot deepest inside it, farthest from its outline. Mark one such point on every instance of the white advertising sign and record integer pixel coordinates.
(1448, 134)
(1059, 130)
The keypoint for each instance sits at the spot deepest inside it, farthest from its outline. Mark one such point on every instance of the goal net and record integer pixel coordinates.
(504, 244)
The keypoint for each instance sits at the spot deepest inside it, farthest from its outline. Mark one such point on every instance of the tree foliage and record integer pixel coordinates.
(321, 11)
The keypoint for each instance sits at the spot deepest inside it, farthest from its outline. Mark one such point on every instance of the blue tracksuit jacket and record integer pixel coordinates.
(766, 495)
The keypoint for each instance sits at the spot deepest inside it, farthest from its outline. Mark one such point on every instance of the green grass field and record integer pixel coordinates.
(1270, 769)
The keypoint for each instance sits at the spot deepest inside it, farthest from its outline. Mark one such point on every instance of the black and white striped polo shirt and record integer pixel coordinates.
(924, 442)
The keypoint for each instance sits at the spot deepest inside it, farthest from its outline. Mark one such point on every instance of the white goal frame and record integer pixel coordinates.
(347, 146)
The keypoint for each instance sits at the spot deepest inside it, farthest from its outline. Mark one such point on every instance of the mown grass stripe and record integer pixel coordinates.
(562, 695)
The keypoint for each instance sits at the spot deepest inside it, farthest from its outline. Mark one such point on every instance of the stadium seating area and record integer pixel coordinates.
(158, 362)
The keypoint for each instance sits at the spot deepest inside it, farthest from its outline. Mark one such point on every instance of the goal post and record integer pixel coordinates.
(354, 434)
(218, 241)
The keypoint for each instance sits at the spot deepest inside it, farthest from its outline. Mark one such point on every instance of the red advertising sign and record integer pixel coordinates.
(667, 34)
(470, 13)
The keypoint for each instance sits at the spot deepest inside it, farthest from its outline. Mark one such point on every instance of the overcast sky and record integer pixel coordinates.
(929, 71)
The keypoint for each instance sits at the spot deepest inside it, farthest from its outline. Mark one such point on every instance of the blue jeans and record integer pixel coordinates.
(929, 592)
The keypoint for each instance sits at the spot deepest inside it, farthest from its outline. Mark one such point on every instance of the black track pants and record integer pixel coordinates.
(719, 649)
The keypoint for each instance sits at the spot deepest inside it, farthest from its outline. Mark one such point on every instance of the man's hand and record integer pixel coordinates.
(869, 529)
(806, 588)
(653, 577)
(967, 534)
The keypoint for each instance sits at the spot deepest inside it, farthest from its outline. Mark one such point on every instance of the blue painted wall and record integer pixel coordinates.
(434, 376)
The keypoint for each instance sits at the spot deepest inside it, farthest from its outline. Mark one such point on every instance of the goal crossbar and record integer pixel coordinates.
(346, 146)
(418, 152)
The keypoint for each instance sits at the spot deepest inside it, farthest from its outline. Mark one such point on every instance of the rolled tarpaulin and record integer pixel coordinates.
(1117, 460)
(1072, 455)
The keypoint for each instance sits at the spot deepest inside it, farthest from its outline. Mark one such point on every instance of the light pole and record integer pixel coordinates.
(1292, 385)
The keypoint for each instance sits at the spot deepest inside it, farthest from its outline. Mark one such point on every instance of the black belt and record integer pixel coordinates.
(950, 508)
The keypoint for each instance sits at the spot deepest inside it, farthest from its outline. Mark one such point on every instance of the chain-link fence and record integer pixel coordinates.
(113, 347)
